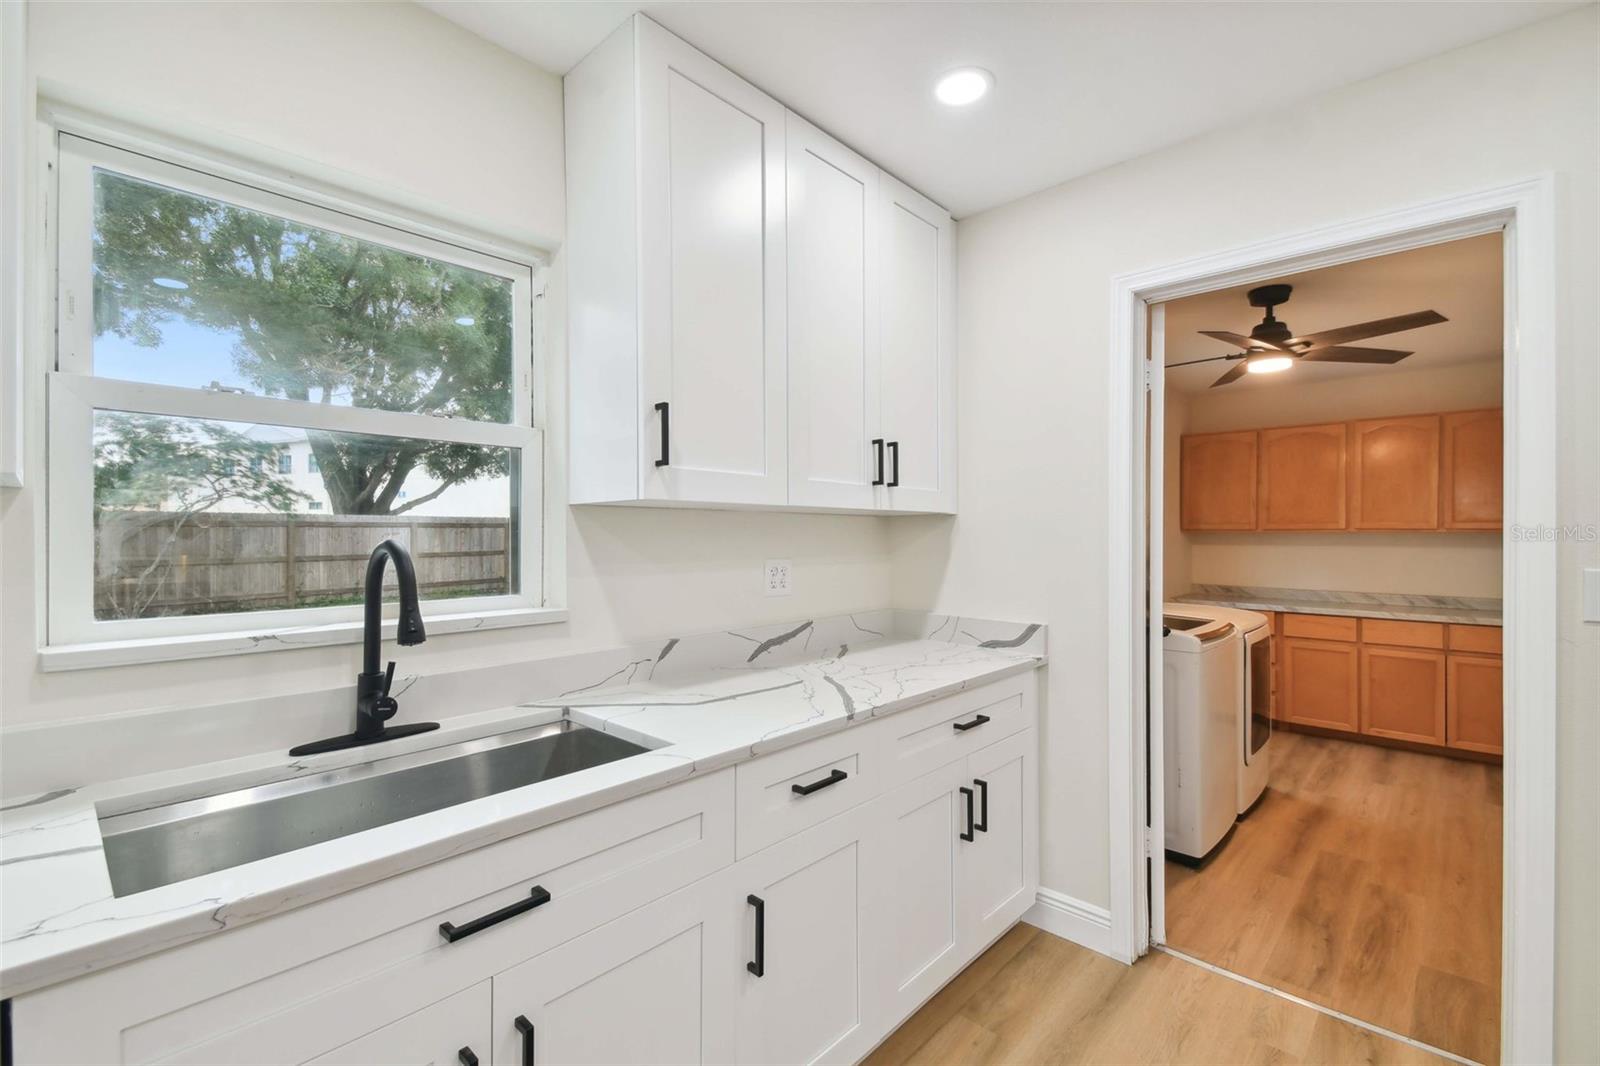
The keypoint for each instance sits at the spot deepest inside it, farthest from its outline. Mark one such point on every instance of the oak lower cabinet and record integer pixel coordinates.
(1476, 707)
(1402, 693)
(1321, 684)
(650, 987)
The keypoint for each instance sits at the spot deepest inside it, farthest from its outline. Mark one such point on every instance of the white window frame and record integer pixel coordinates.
(74, 636)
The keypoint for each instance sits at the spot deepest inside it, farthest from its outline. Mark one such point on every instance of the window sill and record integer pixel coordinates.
(211, 645)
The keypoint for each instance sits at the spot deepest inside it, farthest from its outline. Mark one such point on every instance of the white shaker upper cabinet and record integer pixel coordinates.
(675, 187)
(917, 330)
(835, 449)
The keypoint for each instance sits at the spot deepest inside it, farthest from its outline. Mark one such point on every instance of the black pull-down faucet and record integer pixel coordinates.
(374, 705)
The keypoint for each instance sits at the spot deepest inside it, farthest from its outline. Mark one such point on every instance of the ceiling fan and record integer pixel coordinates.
(1272, 346)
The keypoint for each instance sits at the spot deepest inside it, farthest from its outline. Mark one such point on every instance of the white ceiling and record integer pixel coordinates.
(1078, 86)
(1461, 280)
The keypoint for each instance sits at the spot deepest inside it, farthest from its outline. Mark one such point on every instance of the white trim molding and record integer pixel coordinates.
(16, 105)
(1070, 918)
(1524, 213)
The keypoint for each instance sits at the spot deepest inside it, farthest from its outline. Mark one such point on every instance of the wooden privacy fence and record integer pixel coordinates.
(155, 563)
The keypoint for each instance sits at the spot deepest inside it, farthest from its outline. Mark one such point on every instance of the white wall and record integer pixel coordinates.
(1033, 339)
(395, 101)
(1437, 564)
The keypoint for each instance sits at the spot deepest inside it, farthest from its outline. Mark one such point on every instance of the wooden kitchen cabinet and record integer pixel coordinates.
(1321, 685)
(1471, 450)
(1394, 473)
(1217, 481)
(1403, 693)
(1476, 713)
(1302, 478)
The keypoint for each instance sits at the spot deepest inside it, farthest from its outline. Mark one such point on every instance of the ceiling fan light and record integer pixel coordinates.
(1268, 364)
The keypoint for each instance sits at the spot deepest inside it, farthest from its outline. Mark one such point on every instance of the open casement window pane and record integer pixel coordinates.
(199, 516)
(198, 292)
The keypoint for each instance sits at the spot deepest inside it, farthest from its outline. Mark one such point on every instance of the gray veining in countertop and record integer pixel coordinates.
(1405, 607)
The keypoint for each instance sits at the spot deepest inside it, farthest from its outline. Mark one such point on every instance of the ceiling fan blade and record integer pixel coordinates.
(1341, 354)
(1197, 362)
(1243, 341)
(1361, 331)
(1231, 376)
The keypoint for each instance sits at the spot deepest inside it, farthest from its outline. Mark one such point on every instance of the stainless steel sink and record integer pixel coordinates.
(161, 845)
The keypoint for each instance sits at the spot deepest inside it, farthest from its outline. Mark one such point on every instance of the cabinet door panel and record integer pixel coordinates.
(1472, 455)
(832, 318)
(648, 987)
(1476, 713)
(1394, 473)
(1320, 685)
(915, 324)
(998, 874)
(1217, 481)
(433, 1036)
(1302, 483)
(1402, 694)
(807, 1004)
(916, 935)
(711, 278)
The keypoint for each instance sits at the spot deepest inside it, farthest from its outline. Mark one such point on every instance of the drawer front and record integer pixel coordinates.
(925, 738)
(295, 986)
(780, 794)
(1484, 640)
(1402, 634)
(1320, 627)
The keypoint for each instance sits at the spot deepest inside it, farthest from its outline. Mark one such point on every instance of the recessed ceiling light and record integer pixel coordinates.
(466, 320)
(1267, 364)
(169, 283)
(966, 85)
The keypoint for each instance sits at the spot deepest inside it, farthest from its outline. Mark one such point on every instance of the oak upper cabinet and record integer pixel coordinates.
(676, 260)
(916, 327)
(1321, 683)
(1302, 478)
(1217, 481)
(835, 447)
(1394, 473)
(1470, 488)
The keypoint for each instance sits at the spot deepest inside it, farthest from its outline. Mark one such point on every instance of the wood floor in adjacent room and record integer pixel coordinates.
(1033, 998)
(1367, 880)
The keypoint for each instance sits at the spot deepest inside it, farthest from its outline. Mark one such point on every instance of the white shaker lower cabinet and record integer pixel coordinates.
(801, 993)
(452, 1032)
(650, 987)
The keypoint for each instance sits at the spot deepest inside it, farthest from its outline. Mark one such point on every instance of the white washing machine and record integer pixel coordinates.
(1200, 701)
(1253, 746)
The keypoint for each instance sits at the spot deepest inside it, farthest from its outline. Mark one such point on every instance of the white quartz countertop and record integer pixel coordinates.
(1419, 608)
(61, 920)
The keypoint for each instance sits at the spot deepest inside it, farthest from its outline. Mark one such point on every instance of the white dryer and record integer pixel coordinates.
(1253, 734)
(1200, 701)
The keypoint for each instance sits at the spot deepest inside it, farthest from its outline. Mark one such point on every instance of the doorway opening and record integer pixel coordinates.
(1521, 216)
(1331, 670)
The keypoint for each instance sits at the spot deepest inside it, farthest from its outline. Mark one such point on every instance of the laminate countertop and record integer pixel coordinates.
(1461, 610)
(61, 920)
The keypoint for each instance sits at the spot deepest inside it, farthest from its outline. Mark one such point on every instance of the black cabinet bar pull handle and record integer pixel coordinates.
(962, 727)
(967, 833)
(894, 462)
(816, 786)
(759, 966)
(877, 444)
(525, 1027)
(666, 433)
(466, 1057)
(982, 824)
(537, 897)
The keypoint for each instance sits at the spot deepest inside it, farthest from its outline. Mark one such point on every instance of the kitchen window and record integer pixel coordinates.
(252, 390)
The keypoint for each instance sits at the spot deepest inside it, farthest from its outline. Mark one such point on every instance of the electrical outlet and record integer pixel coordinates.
(775, 577)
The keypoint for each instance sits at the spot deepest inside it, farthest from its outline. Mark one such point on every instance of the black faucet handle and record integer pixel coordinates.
(388, 678)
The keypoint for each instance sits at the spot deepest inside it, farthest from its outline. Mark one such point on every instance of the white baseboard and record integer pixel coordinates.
(1072, 919)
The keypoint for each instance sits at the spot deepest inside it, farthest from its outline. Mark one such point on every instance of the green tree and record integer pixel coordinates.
(317, 316)
(153, 475)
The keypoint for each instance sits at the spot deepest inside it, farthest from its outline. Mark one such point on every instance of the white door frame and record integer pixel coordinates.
(1524, 212)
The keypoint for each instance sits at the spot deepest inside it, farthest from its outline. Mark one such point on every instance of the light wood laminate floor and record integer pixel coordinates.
(1033, 998)
(1367, 880)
